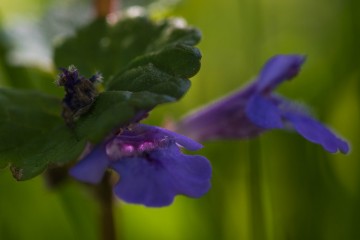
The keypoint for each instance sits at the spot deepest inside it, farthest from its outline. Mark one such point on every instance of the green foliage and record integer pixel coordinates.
(27, 120)
(33, 135)
(150, 63)
(135, 54)
(114, 109)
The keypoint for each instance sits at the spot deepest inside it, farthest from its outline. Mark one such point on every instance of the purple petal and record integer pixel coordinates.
(91, 169)
(278, 69)
(190, 174)
(263, 112)
(143, 182)
(315, 132)
(223, 119)
(182, 140)
(154, 181)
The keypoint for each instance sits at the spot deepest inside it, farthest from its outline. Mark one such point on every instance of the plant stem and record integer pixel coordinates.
(105, 197)
(256, 192)
(104, 191)
(104, 7)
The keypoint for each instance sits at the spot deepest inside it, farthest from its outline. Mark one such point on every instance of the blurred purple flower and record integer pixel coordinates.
(255, 109)
(151, 167)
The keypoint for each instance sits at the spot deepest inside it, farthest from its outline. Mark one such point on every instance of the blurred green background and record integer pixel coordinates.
(276, 187)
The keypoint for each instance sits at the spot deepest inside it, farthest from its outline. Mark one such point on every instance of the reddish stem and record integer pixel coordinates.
(106, 201)
(104, 7)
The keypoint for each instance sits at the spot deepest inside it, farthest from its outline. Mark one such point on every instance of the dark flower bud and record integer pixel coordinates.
(80, 92)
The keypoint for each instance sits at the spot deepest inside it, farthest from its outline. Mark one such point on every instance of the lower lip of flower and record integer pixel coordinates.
(146, 146)
(116, 149)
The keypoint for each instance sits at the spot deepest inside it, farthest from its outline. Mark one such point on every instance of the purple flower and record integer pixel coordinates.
(255, 109)
(150, 164)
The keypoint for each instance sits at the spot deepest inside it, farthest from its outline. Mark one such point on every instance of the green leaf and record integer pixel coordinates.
(33, 136)
(111, 110)
(32, 133)
(114, 109)
(58, 147)
(150, 78)
(136, 54)
(24, 114)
